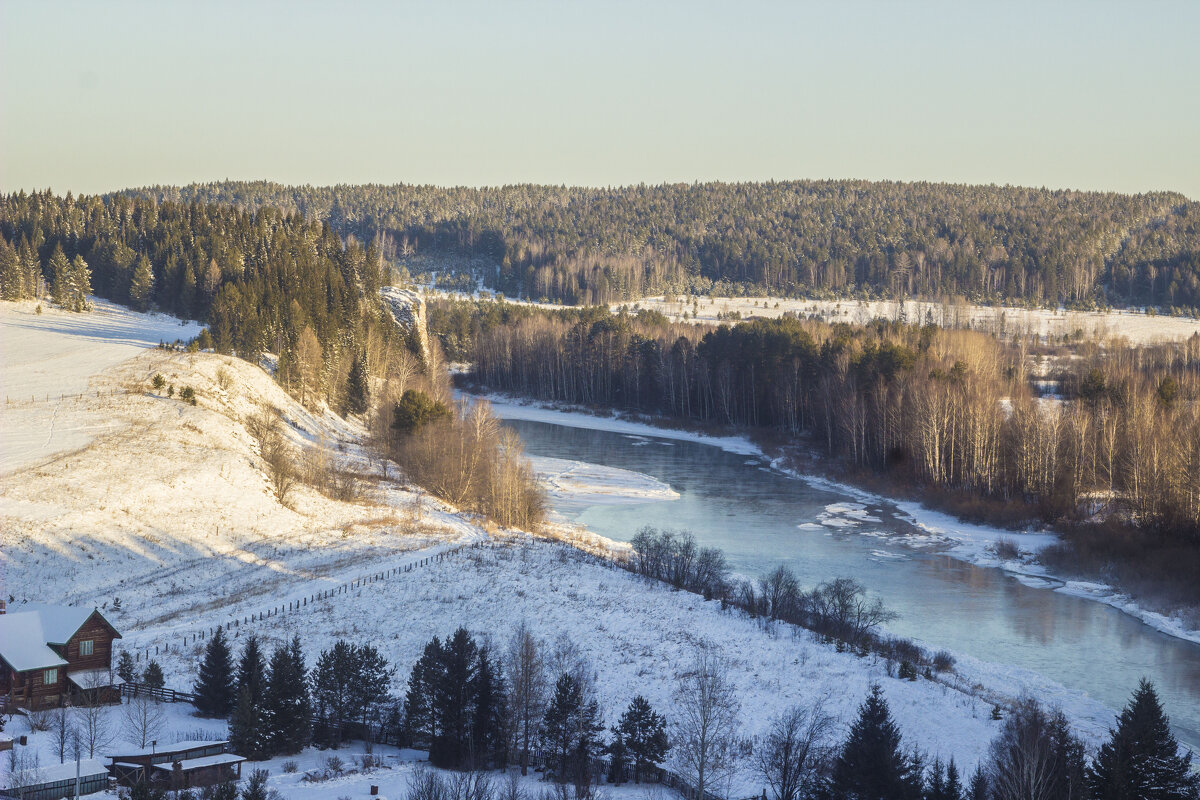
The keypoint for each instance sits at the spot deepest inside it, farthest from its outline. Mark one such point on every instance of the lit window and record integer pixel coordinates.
(50, 677)
(85, 647)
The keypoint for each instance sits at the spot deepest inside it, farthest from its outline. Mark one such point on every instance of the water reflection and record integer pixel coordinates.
(761, 519)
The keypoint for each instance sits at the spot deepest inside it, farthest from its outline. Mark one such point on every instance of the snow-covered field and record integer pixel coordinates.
(1136, 326)
(49, 360)
(166, 506)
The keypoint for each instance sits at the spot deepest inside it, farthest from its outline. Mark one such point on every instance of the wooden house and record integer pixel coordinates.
(51, 655)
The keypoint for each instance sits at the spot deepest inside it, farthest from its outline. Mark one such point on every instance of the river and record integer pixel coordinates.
(761, 518)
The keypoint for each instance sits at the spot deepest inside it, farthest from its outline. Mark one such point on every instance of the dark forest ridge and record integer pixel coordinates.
(821, 238)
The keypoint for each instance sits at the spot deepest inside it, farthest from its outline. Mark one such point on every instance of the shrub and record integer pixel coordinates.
(943, 661)
(1007, 549)
(289, 767)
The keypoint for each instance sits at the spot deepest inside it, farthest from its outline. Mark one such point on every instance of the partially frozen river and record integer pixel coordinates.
(761, 518)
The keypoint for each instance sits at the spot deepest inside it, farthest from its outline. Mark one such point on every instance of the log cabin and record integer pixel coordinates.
(53, 655)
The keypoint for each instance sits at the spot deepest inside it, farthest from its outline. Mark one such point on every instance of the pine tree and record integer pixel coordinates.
(141, 284)
(256, 786)
(871, 763)
(571, 729)
(80, 284)
(153, 676)
(358, 388)
(1141, 759)
(370, 684)
(954, 787)
(978, 789)
(333, 688)
(453, 700)
(214, 689)
(252, 671)
(60, 277)
(287, 707)
(126, 670)
(645, 736)
(11, 282)
(618, 758)
(420, 724)
(247, 731)
(488, 712)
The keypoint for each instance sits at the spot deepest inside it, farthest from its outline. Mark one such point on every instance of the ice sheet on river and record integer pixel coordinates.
(580, 483)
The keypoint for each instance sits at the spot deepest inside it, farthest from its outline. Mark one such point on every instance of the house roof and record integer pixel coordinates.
(23, 642)
(25, 633)
(54, 773)
(60, 623)
(190, 764)
(168, 749)
(94, 678)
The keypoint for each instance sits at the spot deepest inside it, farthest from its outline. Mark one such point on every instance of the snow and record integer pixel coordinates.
(49, 361)
(577, 483)
(23, 642)
(1136, 326)
(65, 771)
(59, 623)
(199, 763)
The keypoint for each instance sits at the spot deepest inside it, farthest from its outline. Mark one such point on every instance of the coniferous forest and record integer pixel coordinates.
(823, 238)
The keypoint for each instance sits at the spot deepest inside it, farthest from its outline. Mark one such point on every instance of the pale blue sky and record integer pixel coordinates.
(103, 95)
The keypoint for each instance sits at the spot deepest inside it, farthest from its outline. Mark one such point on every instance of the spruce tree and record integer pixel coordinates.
(153, 676)
(488, 712)
(978, 790)
(618, 758)
(571, 729)
(81, 284)
(453, 700)
(358, 387)
(645, 736)
(287, 707)
(126, 670)
(214, 690)
(60, 277)
(420, 724)
(11, 283)
(247, 731)
(1141, 759)
(252, 670)
(954, 787)
(141, 284)
(871, 763)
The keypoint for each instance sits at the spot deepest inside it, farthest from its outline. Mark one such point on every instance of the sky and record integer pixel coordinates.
(1088, 95)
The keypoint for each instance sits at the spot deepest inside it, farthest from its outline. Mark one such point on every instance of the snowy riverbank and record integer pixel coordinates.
(975, 544)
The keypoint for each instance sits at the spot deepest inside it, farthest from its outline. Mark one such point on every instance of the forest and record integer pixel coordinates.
(796, 238)
(1113, 458)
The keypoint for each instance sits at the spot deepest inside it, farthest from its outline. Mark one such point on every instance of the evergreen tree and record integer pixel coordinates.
(80, 285)
(252, 671)
(214, 690)
(153, 676)
(453, 700)
(358, 388)
(421, 726)
(332, 689)
(141, 284)
(256, 786)
(871, 764)
(1141, 759)
(618, 758)
(287, 707)
(488, 712)
(645, 736)
(60, 277)
(954, 787)
(126, 670)
(247, 729)
(570, 730)
(978, 789)
(370, 683)
(12, 284)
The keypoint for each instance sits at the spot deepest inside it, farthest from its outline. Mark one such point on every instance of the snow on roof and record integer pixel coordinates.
(200, 763)
(60, 623)
(94, 678)
(23, 642)
(166, 749)
(60, 772)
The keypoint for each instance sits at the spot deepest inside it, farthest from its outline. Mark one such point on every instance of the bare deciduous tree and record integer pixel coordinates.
(528, 686)
(706, 721)
(796, 752)
(144, 719)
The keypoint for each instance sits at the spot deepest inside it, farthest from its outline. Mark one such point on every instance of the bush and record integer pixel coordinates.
(289, 767)
(1007, 549)
(943, 661)
(159, 382)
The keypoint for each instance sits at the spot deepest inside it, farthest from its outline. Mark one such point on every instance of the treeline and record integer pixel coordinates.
(591, 246)
(951, 411)
(266, 281)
